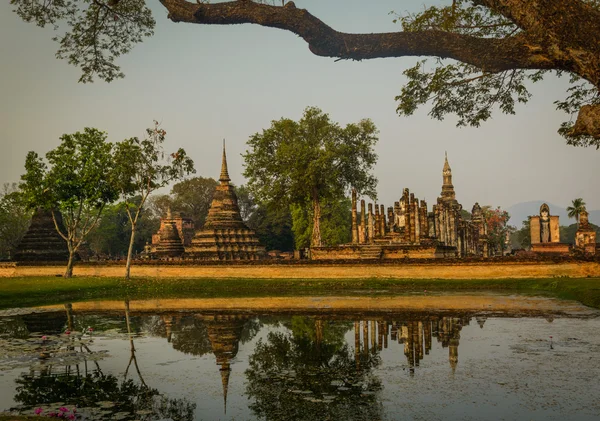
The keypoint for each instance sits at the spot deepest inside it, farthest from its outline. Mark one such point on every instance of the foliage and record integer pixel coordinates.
(500, 48)
(158, 205)
(14, 219)
(336, 224)
(498, 229)
(314, 159)
(273, 225)
(522, 238)
(142, 168)
(98, 31)
(111, 236)
(577, 206)
(193, 197)
(78, 182)
(296, 376)
(469, 91)
(89, 389)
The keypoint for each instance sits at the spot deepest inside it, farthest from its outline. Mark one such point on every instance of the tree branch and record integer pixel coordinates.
(488, 54)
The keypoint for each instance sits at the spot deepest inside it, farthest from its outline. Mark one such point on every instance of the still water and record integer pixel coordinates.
(512, 359)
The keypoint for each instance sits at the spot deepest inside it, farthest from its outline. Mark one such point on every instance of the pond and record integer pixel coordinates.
(321, 358)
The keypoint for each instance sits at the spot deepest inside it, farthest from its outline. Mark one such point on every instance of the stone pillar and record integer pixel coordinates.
(376, 223)
(370, 225)
(431, 224)
(354, 221)
(382, 229)
(362, 239)
(411, 217)
(390, 218)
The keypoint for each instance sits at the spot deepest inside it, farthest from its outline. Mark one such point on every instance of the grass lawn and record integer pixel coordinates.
(32, 291)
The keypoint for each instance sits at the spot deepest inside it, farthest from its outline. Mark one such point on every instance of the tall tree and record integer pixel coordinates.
(336, 224)
(77, 181)
(193, 197)
(141, 168)
(498, 229)
(311, 160)
(495, 47)
(577, 206)
(14, 219)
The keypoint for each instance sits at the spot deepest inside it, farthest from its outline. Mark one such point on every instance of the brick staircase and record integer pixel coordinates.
(371, 252)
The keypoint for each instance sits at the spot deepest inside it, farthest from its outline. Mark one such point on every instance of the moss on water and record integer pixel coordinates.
(33, 291)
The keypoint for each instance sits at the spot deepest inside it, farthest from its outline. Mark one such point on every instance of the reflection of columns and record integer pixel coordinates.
(365, 336)
(373, 333)
(354, 222)
(69, 311)
(168, 321)
(357, 344)
(427, 333)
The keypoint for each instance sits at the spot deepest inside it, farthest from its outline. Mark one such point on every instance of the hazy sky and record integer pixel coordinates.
(206, 83)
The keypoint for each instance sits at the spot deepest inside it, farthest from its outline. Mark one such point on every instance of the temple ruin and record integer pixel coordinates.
(545, 233)
(183, 227)
(585, 237)
(410, 230)
(42, 243)
(224, 235)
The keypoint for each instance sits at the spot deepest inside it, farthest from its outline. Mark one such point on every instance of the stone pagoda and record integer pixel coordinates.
(585, 237)
(170, 244)
(225, 236)
(42, 243)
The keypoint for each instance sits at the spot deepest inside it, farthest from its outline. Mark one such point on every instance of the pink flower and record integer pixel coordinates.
(72, 416)
(63, 409)
(44, 338)
(38, 411)
(67, 332)
(52, 414)
(90, 329)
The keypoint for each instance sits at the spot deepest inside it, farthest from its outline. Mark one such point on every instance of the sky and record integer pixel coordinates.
(208, 83)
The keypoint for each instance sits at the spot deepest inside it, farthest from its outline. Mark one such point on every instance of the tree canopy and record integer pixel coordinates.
(305, 162)
(76, 180)
(495, 47)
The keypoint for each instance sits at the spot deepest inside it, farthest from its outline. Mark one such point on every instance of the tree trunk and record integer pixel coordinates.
(315, 240)
(69, 271)
(130, 251)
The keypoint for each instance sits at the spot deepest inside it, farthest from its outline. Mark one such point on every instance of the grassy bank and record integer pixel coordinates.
(32, 291)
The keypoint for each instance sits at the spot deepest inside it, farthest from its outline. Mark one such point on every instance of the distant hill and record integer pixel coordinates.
(521, 211)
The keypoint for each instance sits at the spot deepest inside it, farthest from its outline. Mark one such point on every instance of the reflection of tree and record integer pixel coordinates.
(86, 390)
(312, 374)
(74, 386)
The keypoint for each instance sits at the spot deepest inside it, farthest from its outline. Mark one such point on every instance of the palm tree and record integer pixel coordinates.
(576, 209)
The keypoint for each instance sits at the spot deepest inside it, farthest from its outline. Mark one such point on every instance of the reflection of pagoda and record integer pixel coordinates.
(416, 336)
(225, 236)
(224, 332)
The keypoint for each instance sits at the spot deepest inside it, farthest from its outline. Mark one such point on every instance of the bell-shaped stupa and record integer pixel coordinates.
(225, 236)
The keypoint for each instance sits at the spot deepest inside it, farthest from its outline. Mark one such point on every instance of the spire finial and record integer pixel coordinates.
(169, 214)
(224, 177)
(225, 372)
(446, 164)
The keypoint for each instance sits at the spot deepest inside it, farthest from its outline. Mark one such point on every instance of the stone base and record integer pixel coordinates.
(225, 244)
(381, 251)
(551, 248)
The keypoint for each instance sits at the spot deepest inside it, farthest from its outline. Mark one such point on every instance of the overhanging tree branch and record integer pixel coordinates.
(488, 54)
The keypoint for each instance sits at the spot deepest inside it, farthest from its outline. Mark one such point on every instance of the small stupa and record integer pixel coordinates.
(225, 236)
(42, 243)
(170, 244)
